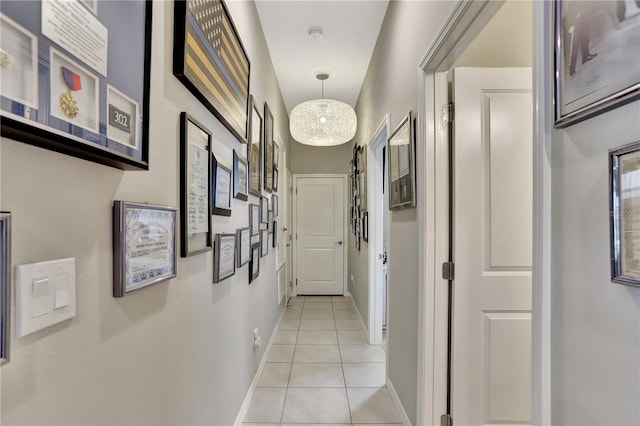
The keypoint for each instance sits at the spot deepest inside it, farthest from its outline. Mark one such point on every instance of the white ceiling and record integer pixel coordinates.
(350, 31)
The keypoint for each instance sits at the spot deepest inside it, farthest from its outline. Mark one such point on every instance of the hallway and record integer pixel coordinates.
(321, 370)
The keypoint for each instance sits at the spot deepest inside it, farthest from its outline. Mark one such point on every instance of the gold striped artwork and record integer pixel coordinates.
(210, 59)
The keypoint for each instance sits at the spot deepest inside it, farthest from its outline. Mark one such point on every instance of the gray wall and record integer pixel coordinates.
(179, 352)
(390, 87)
(313, 159)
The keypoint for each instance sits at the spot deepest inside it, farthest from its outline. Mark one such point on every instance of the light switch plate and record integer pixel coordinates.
(45, 294)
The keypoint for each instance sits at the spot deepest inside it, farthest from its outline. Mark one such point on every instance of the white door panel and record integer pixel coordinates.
(320, 235)
(491, 360)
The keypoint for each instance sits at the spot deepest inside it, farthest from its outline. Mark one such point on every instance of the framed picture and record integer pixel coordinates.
(264, 210)
(76, 90)
(243, 238)
(221, 187)
(224, 257)
(5, 285)
(240, 177)
(144, 246)
(624, 169)
(210, 60)
(276, 154)
(274, 204)
(402, 176)
(254, 263)
(195, 181)
(270, 222)
(254, 219)
(275, 179)
(255, 149)
(275, 234)
(365, 226)
(362, 175)
(264, 243)
(268, 149)
(596, 59)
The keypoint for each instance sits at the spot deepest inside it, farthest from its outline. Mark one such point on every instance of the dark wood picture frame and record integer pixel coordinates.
(213, 66)
(268, 149)
(275, 234)
(240, 192)
(402, 188)
(254, 263)
(192, 243)
(216, 167)
(254, 149)
(39, 122)
(217, 256)
(365, 226)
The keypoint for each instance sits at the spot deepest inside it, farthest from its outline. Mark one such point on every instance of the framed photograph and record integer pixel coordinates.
(255, 149)
(254, 263)
(243, 238)
(275, 234)
(69, 86)
(624, 169)
(5, 285)
(240, 177)
(264, 210)
(144, 246)
(254, 219)
(224, 257)
(264, 243)
(402, 176)
(221, 187)
(596, 58)
(275, 179)
(195, 181)
(365, 226)
(274, 204)
(268, 149)
(210, 60)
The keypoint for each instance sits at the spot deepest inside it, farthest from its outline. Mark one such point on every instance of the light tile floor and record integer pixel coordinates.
(320, 370)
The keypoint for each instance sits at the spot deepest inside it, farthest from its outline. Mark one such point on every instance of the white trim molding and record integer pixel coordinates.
(396, 401)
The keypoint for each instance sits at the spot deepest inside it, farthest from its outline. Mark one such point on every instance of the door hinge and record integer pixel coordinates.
(448, 271)
(447, 113)
(446, 420)
(296, 236)
(296, 282)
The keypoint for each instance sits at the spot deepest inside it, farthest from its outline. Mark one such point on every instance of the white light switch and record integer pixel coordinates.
(45, 294)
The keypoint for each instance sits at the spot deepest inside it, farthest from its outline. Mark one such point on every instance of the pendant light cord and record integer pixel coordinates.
(322, 81)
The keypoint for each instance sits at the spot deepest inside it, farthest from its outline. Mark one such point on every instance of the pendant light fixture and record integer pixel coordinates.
(323, 122)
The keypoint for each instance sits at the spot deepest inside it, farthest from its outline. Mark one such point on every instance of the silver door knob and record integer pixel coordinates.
(339, 243)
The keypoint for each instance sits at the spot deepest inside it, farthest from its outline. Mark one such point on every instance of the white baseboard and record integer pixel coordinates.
(247, 399)
(398, 404)
(362, 324)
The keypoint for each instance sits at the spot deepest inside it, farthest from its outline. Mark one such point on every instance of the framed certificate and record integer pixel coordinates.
(75, 78)
(264, 243)
(270, 222)
(275, 234)
(365, 226)
(264, 210)
(224, 257)
(210, 60)
(274, 204)
(254, 150)
(144, 246)
(240, 177)
(243, 238)
(195, 185)
(267, 167)
(221, 187)
(5, 284)
(254, 263)
(624, 165)
(402, 176)
(254, 219)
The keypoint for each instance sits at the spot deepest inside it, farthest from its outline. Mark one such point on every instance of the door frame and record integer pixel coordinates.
(376, 229)
(345, 195)
(464, 23)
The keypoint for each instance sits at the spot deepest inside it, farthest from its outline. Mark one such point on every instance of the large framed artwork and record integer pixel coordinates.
(195, 185)
(597, 59)
(402, 176)
(5, 284)
(210, 60)
(67, 83)
(144, 246)
(624, 199)
(267, 167)
(254, 150)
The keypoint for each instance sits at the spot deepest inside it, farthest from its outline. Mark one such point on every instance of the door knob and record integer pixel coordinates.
(284, 229)
(339, 243)
(288, 244)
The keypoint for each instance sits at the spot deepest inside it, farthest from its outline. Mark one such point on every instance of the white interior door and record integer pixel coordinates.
(280, 229)
(320, 234)
(492, 190)
(288, 206)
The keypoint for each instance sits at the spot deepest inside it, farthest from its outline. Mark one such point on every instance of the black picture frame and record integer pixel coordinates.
(5, 285)
(275, 234)
(225, 247)
(81, 110)
(402, 179)
(624, 204)
(195, 147)
(219, 171)
(240, 169)
(365, 226)
(275, 179)
(264, 243)
(219, 80)
(254, 263)
(268, 149)
(274, 205)
(254, 149)
(264, 210)
(254, 219)
(608, 76)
